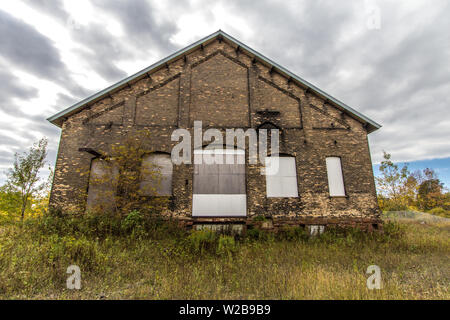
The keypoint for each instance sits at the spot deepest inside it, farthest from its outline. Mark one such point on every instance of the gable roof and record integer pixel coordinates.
(58, 118)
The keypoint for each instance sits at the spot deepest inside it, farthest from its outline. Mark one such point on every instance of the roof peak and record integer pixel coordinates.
(57, 118)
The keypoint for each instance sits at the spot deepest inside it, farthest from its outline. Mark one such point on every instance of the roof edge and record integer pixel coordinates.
(53, 119)
(58, 118)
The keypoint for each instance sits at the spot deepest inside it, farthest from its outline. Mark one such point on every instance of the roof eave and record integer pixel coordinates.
(57, 118)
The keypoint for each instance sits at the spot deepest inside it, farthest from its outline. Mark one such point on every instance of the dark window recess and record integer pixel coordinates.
(91, 151)
(268, 113)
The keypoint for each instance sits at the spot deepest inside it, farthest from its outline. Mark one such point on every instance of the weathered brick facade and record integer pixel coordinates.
(225, 86)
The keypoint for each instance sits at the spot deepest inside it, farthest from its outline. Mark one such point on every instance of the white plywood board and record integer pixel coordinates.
(219, 205)
(335, 177)
(281, 177)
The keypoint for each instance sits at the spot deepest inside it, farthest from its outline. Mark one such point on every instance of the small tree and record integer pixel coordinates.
(119, 187)
(131, 194)
(392, 184)
(23, 178)
(39, 202)
(10, 202)
(430, 192)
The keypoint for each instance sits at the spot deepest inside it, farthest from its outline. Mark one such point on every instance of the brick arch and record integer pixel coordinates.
(163, 160)
(268, 125)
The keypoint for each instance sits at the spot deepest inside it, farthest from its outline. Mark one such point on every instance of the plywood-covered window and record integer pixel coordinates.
(102, 188)
(281, 177)
(156, 175)
(219, 183)
(335, 177)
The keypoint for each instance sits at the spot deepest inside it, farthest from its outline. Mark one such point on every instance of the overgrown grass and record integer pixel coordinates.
(135, 259)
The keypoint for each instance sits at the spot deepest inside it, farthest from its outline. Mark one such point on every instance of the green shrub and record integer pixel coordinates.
(291, 233)
(437, 210)
(393, 230)
(134, 223)
(60, 252)
(441, 212)
(159, 228)
(82, 252)
(96, 225)
(348, 236)
(226, 245)
(392, 205)
(99, 225)
(260, 235)
(89, 224)
(259, 218)
(201, 241)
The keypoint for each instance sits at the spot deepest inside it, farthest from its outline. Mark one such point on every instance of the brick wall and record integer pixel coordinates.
(224, 88)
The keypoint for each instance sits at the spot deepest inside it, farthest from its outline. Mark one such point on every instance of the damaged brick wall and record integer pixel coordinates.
(226, 88)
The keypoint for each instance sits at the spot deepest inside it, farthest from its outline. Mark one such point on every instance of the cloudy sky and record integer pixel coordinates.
(389, 60)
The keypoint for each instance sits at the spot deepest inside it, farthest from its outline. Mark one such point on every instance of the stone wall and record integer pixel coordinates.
(226, 88)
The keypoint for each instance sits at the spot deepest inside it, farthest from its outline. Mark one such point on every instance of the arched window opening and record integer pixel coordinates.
(156, 175)
(103, 180)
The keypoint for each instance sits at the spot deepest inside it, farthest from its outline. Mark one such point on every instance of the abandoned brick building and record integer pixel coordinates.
(326, 175)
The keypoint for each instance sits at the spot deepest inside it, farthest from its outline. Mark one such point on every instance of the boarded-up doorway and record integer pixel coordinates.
(219, 183)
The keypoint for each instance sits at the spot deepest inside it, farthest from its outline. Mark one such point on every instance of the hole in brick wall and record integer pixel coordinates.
(375, 226)
(172, 206)
(109, 125)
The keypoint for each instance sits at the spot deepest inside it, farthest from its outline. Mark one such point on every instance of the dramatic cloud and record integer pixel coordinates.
(12, 88)
(52, 7)
(101, 50)
(53, 53)
(145, 27)
(26, 48)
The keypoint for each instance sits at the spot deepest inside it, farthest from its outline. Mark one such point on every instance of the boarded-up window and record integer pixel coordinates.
(335, 178)
(102, 185)
(156, 173)
(219, 183)
(281, 177)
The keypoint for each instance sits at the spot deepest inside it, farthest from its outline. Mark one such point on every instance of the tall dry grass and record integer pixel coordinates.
(414, 259)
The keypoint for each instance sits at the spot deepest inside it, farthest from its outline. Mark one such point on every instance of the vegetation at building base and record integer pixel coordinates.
(140, 257)
(399, 189)
(25, 195)
(135, 254)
